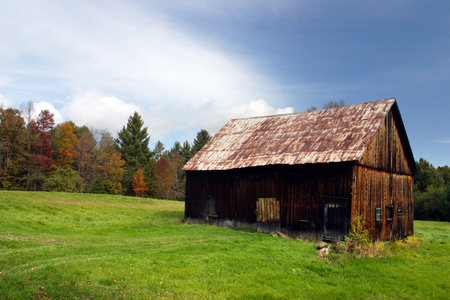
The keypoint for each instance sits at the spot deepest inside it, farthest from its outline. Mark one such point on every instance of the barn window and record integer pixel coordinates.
(378, 213)
(389, 212)
(267, 210)
(399, 212)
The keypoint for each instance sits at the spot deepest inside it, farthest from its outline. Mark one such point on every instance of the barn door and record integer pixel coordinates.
(268, 215)
(335, 221)
(210, 206)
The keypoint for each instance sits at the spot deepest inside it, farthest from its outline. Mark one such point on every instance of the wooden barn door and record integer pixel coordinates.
(335, 219)
(268, 215)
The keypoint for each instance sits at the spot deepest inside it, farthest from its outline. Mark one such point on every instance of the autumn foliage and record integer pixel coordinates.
(138, 184)
(36, 154)
(65, 141)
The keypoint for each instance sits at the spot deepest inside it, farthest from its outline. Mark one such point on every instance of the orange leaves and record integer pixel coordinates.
(138, 184)
(65, 142)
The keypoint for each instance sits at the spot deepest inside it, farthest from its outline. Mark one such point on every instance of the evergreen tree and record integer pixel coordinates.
(186, 152)
(132, 142)
(159, 150)
(176, 148)
(200, 140)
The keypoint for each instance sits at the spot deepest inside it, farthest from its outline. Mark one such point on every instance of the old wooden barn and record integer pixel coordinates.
(307, 174)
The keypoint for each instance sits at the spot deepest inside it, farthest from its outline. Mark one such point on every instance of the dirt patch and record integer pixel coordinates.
(27, 238)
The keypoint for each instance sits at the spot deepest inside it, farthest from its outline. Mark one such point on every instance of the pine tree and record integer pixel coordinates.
(186, 152)
(132, 142)
(200, 140)
(159, 150)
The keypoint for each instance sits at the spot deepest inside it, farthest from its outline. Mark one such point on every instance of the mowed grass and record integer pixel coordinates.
(82, 246)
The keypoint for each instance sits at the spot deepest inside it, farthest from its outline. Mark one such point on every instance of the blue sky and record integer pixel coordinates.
(188, 65)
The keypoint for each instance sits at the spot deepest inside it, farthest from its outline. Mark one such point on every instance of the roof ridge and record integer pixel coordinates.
(314, 111)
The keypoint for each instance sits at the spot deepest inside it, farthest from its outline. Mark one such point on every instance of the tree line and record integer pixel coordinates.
(36, 154)
(431, 192)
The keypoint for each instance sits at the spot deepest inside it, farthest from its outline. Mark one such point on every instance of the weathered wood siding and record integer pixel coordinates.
(300, 191)
(385, 151)
(383, 179)
(387, 190)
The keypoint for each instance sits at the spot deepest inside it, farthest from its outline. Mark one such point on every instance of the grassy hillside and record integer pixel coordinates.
(57, 245)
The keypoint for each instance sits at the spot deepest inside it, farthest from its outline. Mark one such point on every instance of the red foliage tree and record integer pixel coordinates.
(42, 131)
(41, 159)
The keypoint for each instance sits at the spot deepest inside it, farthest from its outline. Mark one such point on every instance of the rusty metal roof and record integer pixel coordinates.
(322, 136)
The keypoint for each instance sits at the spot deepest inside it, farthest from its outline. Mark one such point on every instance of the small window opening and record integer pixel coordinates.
(378, 213)
(389, 212)
(399, 212)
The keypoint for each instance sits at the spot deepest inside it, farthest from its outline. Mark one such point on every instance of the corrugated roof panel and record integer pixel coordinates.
(323, 136)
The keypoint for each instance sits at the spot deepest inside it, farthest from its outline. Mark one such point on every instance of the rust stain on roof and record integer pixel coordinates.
(322, 136)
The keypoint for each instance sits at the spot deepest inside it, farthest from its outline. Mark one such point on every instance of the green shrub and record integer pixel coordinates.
(359, 243)
(103, 185)
(63, 180)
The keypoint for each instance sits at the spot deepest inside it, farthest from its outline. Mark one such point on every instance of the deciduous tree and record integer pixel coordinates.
(41, 146)
(84, 154)
(41, 159)
(12, 146)
(63, 180)
(431, 194)
(426, 176)
(329, 104)
(66, 143)
(334, 104)
(139, 184)
(164, 181)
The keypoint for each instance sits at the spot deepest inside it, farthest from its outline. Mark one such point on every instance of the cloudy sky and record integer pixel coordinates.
(187, 65)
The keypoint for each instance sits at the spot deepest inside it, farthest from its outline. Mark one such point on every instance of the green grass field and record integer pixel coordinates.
(82, 246)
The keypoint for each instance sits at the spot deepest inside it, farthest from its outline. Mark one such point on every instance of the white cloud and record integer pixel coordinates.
(4, 102)
(58, 118)
(142, 60)
(257, 108)
(125, 49)
(251, 109)
(95, 110)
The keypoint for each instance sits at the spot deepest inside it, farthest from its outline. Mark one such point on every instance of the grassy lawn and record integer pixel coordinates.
(82, 246)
